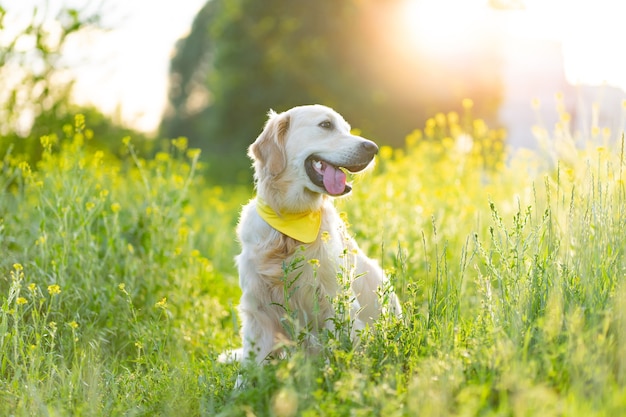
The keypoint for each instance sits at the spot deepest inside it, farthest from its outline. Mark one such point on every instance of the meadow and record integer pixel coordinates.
(118, 288)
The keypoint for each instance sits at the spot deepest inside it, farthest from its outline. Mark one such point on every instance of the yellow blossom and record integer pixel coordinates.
(79, 121)
(180, 143)
(116, 207)
(73, 325)
(467, 103)
(162, 303)
(54, 289)
(20, 301)
(386, 152)
(193, 153)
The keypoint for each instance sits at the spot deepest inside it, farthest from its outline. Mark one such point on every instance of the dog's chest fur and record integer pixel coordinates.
(302, 277)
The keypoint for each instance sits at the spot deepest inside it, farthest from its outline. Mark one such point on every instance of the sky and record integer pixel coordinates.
(124, 70)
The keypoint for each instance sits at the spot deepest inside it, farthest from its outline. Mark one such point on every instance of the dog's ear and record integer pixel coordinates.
(269, 147)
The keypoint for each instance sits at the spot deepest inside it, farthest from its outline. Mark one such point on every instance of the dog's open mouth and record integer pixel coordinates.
(330, 177)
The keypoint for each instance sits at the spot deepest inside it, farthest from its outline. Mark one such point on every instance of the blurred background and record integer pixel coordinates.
(211, 70)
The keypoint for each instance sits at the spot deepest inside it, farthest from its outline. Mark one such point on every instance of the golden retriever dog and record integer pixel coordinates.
(300, 163)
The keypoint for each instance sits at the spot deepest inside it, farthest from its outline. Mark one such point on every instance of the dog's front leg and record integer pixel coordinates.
(257, 330)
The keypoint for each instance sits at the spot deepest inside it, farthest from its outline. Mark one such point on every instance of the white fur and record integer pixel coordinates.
(279, 156)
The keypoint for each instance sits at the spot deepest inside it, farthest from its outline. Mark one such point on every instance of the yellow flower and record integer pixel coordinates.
(21, 300)
(386, 152)
(162, 303)
(193, 153)
(32, 287)
(180, 143)
(54, 289)
(467, 103)
(73, 325)
(79, 121)
(314, 262)
(162, 156)
(18, 267)
(535, 104)
(115, 207)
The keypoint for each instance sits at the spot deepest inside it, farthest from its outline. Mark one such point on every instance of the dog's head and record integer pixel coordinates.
(307, 150)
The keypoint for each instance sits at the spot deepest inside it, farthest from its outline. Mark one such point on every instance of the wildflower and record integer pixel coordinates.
(73, 324)
(54, 289)
(126, 140)
(595, 131)
(178, 180)
(193, 153)
(116, 207)
(46, 143)
(97, 157)
(386, 152)
(20, 301)
(180, 143)
(89, 206)
(440, 119)
(162, 303)
(162, 157)
(79, 122)
(18, 267)
(467, 103)
(325, 236)
(53, 326)
(314, 263)
(40, 240)
(32, 287)
(131, 248)
(24, 167)
(535, 104)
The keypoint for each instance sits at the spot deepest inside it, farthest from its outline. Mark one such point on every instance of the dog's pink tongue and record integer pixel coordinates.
(334, 180)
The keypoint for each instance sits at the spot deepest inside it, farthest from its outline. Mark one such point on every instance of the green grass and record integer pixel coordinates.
(118, 288)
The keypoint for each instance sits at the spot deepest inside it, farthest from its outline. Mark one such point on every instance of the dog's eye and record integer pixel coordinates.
(326, 125)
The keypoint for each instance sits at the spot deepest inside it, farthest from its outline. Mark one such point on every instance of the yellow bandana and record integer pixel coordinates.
(304, 226)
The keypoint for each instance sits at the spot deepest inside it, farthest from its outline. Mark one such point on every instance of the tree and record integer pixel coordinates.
(35, 97)
(243, 57)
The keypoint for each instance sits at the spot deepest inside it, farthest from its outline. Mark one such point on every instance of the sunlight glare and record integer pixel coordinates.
(440, 27)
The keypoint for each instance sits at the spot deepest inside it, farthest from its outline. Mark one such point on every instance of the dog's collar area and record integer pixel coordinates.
(304, 226)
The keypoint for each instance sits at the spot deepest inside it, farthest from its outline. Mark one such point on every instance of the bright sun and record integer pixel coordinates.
(439, 26)
(590, 31)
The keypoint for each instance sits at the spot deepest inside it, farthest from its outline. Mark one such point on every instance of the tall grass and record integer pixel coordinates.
(117, 286)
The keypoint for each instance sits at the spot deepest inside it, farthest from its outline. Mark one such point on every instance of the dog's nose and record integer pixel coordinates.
(370, 147)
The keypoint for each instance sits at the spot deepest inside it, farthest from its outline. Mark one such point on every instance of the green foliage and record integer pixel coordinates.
(241, 58)
(117, 286)
(35, 91)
